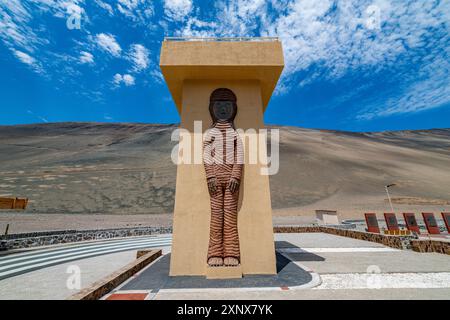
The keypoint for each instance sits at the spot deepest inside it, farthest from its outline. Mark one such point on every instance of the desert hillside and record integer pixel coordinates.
(126, 169)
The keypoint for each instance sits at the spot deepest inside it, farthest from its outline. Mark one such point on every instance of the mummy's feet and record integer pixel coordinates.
(215, 262)
(231, 262)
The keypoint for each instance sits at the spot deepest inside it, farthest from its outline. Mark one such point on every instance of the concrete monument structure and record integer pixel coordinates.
(193, 69)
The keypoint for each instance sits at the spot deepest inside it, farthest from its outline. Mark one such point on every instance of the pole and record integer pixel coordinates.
(389, 198)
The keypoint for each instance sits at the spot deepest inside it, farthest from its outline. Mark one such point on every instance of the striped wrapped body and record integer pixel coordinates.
(223, 160)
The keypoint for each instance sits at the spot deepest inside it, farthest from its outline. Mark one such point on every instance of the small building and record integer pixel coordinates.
(327, 217)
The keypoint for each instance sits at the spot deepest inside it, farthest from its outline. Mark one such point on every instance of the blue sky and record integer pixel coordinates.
(350, 65)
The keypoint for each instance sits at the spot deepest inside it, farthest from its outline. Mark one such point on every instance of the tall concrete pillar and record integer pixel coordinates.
(192, 70)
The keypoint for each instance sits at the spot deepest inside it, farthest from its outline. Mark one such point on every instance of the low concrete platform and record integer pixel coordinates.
(224, 272)
(156, 278)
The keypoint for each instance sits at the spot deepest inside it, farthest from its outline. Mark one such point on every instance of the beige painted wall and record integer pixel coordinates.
(261, 60)
(192, 209)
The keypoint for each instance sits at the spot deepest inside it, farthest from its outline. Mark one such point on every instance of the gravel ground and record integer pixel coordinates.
(20, 222)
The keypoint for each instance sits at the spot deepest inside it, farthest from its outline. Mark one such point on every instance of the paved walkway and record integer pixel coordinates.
(347, 269)
(58, 282)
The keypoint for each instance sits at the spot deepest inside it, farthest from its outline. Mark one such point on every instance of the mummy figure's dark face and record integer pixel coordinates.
(223, 110)
(222, 105)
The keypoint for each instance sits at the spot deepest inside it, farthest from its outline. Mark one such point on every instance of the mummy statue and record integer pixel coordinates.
(223, 161)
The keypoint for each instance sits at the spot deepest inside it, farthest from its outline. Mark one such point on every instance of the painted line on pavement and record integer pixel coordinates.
(336, 250)
(32, 267)
(431, 280)
(75, 246)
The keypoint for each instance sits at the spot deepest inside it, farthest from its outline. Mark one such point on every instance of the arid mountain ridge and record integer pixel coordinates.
(125, 168)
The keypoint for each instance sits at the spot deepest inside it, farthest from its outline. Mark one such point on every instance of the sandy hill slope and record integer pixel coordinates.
(126, 169)
(347, 171)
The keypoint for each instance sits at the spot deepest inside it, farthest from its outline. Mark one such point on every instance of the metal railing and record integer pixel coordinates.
(221, 39)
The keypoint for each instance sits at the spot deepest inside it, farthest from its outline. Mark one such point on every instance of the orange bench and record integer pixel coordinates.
(13, 203)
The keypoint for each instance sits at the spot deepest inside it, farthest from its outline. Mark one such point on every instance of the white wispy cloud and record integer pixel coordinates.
(24, 57)
(105, 6)
(14, 26)
(29, 60)
(86, 57)
(37, 116)
(15, 16)
(339, 42)
(327, 40)
(177, 9)
(232, 18)
(157, 75)
(139, 55)
(431, 89)
(25, 40)
(323, 40)
(126, 79)
(59, 8)
(139, 11)
(117, 79)
(108, 43)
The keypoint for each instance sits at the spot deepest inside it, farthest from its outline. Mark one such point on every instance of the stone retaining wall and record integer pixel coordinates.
(35, 234)
(29, 240)
(431, 246)
(398, 242)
